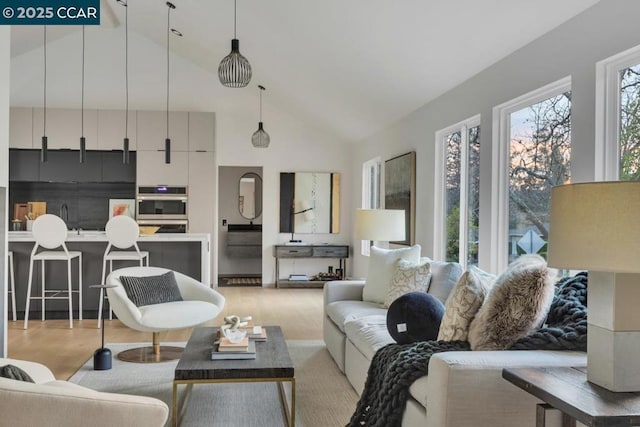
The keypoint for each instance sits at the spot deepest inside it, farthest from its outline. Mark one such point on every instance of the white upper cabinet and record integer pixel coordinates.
(64, 128)
(202, 179)
(111, 129)
(21, 127)
(201, 131)
(152, 170)
(152, 130)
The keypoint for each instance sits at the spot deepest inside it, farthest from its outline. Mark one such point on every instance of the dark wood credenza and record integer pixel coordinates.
(341, 252)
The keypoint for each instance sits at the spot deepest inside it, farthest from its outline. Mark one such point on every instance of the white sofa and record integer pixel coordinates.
(53, 403)
(463, 388)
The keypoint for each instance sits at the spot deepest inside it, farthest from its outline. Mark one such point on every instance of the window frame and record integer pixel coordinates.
(440, 180)
(369, 187)
(501, 143)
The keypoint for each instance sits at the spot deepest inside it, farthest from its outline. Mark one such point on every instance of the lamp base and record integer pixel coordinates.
(102, 359)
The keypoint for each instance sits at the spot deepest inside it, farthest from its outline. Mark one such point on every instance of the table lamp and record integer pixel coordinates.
(307, 210)
(596, 226)
(380, 225)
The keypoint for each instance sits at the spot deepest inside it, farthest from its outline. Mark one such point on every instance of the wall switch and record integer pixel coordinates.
(224, 222)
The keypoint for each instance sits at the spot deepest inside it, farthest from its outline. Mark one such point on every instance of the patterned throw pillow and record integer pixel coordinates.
(149, 290)
(517, 304)
(408, 277)
(381, 267)
(463, 304)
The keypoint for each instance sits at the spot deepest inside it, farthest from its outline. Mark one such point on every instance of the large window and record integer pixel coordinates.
(533, 155)
(629, 144)
(458, 151)
(370, 193)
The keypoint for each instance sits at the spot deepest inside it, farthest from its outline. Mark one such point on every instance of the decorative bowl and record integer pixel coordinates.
(148, 229)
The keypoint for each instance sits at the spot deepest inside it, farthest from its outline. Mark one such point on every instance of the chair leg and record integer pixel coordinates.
(70, 290)
(26, 309)
(156, 343)
(79, 286)
(42, 295)
(13, 286)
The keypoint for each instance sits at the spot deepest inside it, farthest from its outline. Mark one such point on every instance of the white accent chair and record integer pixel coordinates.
(51, 402)
(12, 286)
(200, 304)
(122, 233)
(50, 232)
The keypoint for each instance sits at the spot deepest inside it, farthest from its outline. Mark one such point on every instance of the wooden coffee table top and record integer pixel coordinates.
(272, 359)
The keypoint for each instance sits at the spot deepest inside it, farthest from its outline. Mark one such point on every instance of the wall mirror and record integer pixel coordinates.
(250, 195)
(309, 202)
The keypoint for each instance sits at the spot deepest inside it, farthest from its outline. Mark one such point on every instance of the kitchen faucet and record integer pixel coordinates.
(64, 213)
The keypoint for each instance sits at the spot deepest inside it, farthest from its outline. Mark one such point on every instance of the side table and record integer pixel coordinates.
(567, 390)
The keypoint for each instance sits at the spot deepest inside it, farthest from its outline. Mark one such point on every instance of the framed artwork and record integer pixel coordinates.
(400, 191)
(122, 207)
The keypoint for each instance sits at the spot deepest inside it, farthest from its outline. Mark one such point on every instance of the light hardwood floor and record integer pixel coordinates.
(64, 350)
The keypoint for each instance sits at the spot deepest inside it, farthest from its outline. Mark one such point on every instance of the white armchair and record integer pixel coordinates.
(200, 304)
(49, 402)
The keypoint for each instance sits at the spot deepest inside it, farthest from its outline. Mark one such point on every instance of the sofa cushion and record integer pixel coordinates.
(463, 304)
(341, 312)
(381, 267)
(408, 277)
(414, 317)
(149, 290)
(418, 390)
(368, 334)
(444, 276)
(516, 305)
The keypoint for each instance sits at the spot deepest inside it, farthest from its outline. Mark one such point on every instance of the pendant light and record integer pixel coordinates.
(43, 150)
(125, 141)
(167, 141)
(83, 145)
(260, 138)
(234, 69)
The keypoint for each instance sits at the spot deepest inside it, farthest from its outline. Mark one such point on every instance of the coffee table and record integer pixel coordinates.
(272, 364)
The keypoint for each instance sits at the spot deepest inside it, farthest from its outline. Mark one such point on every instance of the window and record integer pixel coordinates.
(618, 117)
(370, 192)
(533, 155)
(457, 183)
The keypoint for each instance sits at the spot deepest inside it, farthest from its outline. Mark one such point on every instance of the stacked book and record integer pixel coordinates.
(225, 349)
(298, 278)
(256, 333)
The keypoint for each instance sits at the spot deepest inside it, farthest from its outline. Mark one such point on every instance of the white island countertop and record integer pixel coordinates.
(89, 236)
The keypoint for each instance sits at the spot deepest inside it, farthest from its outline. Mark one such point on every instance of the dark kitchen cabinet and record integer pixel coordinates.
(65, 166)
(24, 165)
(113, 170)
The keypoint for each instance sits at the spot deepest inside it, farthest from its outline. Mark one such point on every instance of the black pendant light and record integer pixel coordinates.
(43, 150)
(125, 141)
(167, 141)
(234, 69)
(260, 138)
(83, 141)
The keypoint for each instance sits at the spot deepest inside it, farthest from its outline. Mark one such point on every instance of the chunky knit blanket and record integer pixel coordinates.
(395, 367)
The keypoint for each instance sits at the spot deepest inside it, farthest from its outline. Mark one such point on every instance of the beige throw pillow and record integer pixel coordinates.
(517, 304)
(463, 304)
(408, 277)
(381, 266)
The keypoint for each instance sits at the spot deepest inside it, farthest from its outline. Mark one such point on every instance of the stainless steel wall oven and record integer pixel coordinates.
(163, 205)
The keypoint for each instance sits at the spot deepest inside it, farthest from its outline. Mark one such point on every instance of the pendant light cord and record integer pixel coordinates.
(261, 89)
(235, 7)
(44, 130)
(168, 31)
(126, 69)
(82, 95)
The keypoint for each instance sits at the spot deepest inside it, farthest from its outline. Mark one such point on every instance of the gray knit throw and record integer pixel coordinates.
(395, 367)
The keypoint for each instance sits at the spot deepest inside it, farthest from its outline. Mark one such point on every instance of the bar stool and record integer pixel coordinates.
(12, 284)
(122, 233)
(50, 232)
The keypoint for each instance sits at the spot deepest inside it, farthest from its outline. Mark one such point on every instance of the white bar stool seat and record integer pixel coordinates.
(50, 232)
(122, 233)
(12, 285)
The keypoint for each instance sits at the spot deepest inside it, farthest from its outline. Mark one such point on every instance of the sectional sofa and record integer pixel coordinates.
(463, 388)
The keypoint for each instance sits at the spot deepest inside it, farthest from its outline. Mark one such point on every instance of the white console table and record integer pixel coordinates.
(340, 252)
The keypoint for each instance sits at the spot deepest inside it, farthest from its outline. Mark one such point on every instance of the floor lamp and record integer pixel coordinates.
(380, 225)
(595, 226)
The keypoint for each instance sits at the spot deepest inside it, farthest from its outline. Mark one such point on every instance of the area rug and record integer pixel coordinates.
(324, 397)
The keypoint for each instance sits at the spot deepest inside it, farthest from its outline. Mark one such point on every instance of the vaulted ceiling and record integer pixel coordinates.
(349, 67)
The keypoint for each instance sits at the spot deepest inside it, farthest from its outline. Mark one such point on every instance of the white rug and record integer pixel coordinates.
(324, 397)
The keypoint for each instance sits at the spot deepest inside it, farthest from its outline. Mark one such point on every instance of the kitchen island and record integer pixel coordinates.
(187, 253)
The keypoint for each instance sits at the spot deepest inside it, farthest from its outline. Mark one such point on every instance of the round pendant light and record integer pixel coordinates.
(234, 69)
(260, 138)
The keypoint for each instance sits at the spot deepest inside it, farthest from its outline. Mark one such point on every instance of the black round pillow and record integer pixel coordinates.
(414, 316)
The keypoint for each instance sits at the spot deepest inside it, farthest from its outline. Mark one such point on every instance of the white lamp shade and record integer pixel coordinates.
(384, 225)
(596, 226)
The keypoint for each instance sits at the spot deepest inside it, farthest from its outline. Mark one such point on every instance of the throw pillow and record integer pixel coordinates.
(517, 304)
(414, 317)
(14, 373)
(381, 267)
(149, 290)
(463, 304)
(444, 276)
(408, 277)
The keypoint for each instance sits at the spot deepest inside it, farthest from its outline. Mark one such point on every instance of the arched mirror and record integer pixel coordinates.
(250, 195)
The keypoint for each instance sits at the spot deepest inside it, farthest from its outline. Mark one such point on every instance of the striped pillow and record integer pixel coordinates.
(149, 290)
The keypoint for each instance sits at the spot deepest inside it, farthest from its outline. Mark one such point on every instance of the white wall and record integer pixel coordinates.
(5, 39)
(571, 49)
